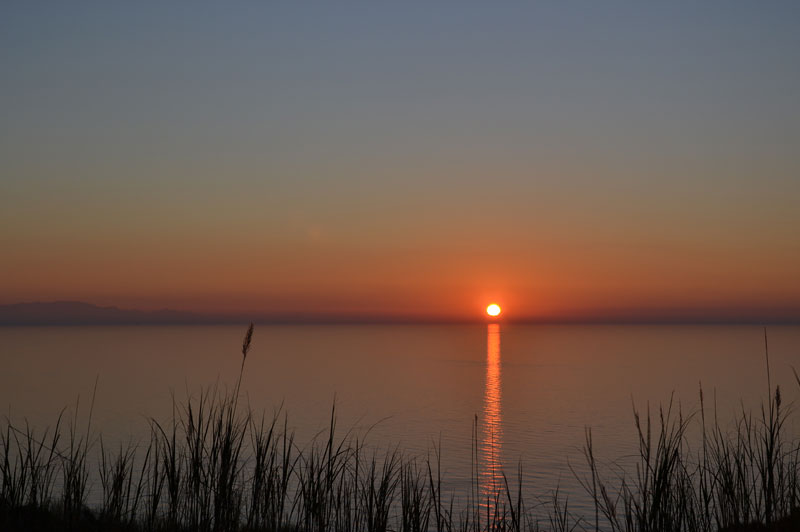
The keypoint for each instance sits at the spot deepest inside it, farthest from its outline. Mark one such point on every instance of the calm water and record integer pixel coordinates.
(533, 389)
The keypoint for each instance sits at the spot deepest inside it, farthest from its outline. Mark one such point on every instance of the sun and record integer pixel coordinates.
(493, 310)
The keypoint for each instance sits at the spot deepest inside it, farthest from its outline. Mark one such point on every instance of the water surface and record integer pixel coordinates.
(532, 390)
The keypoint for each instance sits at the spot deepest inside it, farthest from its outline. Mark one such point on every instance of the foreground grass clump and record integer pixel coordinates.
(219, 466)
(746, 478)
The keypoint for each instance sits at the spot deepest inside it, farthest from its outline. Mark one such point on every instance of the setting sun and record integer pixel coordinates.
(493, 310)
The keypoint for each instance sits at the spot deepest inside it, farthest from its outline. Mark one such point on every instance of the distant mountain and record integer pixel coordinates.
(79, 313)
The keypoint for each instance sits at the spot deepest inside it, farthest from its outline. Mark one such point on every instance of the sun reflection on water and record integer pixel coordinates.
(492, 436)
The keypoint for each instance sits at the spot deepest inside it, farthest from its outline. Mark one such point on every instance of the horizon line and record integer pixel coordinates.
(83, 313)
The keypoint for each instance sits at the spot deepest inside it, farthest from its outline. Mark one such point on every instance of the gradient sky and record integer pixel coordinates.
(563, 158)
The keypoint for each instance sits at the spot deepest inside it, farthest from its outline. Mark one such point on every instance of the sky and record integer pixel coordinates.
(565, 159)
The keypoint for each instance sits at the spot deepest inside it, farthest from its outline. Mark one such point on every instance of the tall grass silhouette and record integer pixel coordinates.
(217, 465)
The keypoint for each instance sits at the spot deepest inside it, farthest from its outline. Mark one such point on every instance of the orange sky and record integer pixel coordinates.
(408, 162)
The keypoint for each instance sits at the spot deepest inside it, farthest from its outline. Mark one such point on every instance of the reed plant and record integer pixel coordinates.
(740, 478)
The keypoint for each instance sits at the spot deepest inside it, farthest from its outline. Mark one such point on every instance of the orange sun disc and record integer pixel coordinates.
(493, 310)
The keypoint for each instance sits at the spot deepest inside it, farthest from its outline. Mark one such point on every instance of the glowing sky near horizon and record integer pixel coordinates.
(402, 159)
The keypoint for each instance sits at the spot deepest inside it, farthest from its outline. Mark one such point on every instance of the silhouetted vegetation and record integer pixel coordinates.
(220, 466)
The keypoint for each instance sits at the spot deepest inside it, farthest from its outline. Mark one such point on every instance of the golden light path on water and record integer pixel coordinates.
(491, 478)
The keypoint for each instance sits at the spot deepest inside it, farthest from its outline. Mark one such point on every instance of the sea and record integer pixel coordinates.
(486, 399)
